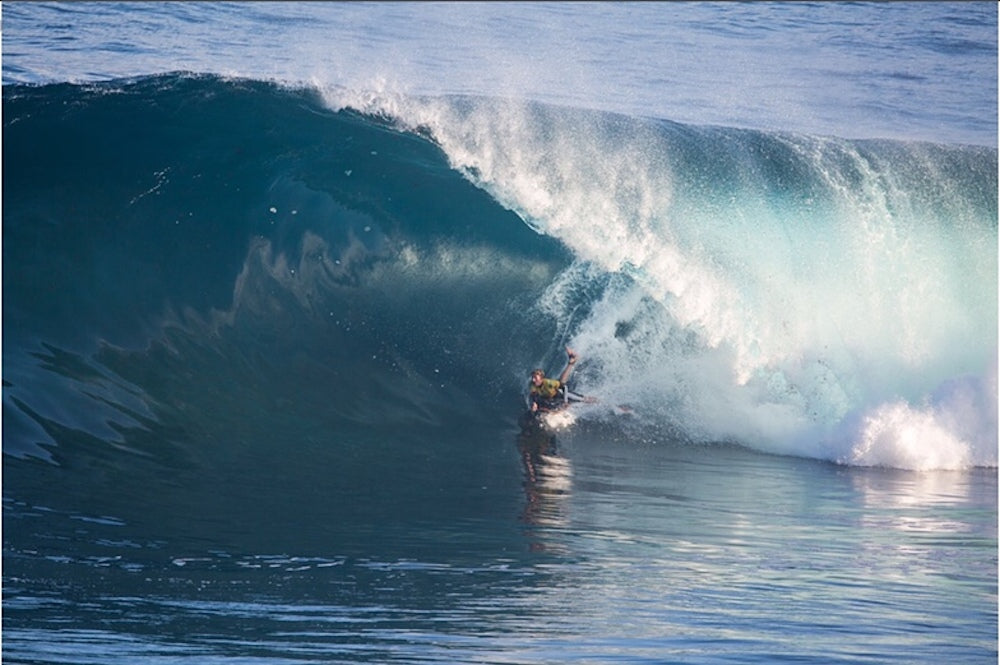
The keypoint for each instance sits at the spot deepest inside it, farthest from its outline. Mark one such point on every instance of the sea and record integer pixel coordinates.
(275, 275)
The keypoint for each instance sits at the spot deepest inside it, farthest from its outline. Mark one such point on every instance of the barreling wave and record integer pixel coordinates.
(186, 252)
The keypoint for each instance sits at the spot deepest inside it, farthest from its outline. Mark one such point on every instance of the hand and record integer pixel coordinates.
(571, 354)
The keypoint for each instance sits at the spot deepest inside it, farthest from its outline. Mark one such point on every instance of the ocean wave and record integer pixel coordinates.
(185, 236)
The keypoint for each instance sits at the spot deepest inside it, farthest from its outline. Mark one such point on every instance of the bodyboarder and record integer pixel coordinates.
(545, 394)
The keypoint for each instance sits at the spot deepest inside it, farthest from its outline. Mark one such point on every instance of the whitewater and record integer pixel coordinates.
(275, 275)
(812, 296)
(840, 291)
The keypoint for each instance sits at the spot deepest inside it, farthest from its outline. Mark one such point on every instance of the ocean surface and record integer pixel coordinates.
(275, 276)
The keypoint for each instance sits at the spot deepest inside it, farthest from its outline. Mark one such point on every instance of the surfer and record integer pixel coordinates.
(544, 393)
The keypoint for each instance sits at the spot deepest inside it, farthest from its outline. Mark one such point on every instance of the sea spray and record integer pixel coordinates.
(803, 295)
(800, 295)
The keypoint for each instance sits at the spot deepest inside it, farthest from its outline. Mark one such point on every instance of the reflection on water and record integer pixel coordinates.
(548, 479)
(901, 500)
(909, 489)
(663, 552)
(914, 520)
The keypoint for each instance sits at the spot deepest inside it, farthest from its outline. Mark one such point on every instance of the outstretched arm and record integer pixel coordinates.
(571, 355)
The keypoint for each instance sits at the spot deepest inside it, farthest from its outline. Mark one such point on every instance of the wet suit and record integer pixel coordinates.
(547, 396)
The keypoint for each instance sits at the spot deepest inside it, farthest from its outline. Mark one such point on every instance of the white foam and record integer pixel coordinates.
(559, 420)
(900, 436)
(827, 326)
(955, 429)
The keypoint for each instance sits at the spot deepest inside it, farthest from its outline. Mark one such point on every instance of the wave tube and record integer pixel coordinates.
(798, 294)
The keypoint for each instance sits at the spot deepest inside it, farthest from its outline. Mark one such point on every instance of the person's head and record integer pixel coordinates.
(537, 376)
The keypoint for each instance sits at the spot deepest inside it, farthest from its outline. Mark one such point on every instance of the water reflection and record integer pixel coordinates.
(914, 522)
(913, 489)
(548, 479)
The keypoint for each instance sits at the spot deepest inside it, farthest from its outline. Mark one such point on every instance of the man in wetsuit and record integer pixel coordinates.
(544, 393)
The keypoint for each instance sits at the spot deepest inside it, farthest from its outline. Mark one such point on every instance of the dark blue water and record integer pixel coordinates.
(912, 71)
(265, 349)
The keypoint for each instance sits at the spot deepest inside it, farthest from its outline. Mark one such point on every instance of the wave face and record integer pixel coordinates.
(189, 258)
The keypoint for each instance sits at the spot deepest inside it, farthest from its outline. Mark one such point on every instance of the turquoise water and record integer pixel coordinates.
(265, 342)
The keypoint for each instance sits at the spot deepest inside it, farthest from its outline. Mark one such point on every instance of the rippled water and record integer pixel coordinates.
(263, 359)
(633, 551)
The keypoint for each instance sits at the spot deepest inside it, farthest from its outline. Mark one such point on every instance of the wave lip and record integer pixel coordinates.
(799, 295)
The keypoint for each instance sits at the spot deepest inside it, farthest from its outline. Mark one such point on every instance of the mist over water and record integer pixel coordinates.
(805, 296)
(274, 276)
(802, 295)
